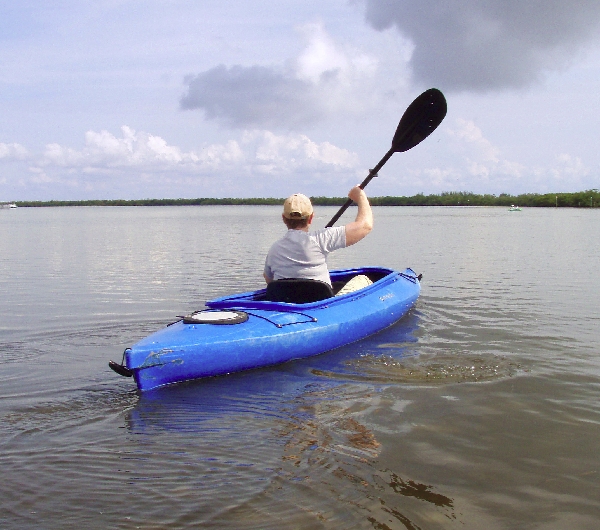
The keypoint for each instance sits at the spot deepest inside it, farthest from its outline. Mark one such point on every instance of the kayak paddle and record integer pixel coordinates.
(419, 120)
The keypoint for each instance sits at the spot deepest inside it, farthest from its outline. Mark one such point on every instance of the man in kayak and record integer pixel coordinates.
(303, 254)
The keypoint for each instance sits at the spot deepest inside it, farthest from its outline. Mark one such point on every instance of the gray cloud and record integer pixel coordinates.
(254, 96)
(488, 44)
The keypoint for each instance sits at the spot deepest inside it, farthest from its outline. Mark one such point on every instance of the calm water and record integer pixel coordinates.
(480, 409)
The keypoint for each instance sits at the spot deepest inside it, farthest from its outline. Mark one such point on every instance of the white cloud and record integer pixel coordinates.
(104, 145)
(325, 81)
(259, 163)
(481, 168)
(57, 155)
(471, 137)
(104, 150)
(483, 165)
(12, 151)
(322, 58)
(263, 163)
(288, 152)
(218, 155)
(569, 171)
(39, 176)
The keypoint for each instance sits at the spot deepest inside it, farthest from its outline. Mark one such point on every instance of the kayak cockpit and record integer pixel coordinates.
(297, 291)
(303, 291)
(264, 299)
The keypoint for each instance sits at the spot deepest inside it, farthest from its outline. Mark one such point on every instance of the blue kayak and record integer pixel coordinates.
(250, 330)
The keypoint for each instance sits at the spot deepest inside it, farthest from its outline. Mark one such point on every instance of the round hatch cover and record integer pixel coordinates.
(216, 317)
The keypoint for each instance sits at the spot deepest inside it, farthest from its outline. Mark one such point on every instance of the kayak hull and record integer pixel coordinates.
(270, 332)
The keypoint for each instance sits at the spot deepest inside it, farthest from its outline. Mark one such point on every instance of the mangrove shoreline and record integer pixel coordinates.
(582, 199)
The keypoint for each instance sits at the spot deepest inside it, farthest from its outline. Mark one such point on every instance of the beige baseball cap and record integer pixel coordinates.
(297, 206)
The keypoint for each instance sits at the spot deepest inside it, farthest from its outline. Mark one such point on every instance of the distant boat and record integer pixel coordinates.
(514, 208)
(7, 205)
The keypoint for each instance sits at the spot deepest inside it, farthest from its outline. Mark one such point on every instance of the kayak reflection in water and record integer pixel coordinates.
(301, 254)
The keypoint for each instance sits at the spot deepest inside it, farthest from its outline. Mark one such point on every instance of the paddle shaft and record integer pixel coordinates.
(419, 120)
(362, 186)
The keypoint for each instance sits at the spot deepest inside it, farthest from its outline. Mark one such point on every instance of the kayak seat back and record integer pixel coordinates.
(297, 291)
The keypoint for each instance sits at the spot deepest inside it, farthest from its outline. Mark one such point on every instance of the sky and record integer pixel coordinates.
(133, 99)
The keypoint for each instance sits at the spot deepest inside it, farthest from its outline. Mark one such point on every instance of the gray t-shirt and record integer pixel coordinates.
(301, 254)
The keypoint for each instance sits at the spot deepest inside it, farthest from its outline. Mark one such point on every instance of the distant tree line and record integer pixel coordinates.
(154, 202)
(581, 199)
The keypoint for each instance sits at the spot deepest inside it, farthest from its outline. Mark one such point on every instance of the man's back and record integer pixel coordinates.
(301, 254)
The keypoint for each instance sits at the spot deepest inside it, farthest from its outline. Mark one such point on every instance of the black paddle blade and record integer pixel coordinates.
(419, 120)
